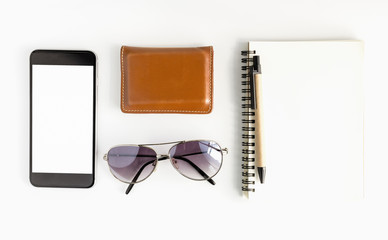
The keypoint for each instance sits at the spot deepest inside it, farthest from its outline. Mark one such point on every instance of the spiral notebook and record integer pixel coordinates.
(313, 119)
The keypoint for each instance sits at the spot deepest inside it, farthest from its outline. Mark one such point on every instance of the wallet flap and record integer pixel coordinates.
(166, 80)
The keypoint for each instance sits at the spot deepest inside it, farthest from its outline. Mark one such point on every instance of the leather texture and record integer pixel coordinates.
(167, 80)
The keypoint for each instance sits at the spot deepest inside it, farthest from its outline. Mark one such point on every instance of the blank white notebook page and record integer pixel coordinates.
(313, 119)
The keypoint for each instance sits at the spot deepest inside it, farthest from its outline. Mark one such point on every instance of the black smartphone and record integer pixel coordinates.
(62, 118)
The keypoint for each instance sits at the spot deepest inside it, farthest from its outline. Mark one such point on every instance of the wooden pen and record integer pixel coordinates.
(259, 129)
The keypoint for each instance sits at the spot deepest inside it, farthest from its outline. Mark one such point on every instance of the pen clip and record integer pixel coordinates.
(252, 87)
(254, 69)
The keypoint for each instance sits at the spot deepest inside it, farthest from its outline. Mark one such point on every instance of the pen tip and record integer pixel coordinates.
(261, 172)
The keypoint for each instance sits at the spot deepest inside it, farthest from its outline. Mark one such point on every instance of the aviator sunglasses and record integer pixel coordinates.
(196, 160)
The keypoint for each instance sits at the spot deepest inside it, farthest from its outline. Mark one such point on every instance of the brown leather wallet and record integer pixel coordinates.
(167, 80)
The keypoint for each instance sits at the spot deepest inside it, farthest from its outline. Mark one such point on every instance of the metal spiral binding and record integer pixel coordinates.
(246, 144)
(248, 121)
(244, 181)
(245, 105)
(248, 151)
(248, 129)
(248, 159)
(246, 166)
(247, 189)
(247, 136)
(247, 174)
(248, 113)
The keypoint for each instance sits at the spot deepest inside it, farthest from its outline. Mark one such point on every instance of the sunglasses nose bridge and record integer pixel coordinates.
(162, 157)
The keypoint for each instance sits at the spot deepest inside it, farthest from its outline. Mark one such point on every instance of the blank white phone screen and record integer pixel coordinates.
(62, 119)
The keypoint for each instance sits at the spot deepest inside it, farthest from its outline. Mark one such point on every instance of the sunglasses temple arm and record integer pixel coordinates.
(203, 174)
(130, 186)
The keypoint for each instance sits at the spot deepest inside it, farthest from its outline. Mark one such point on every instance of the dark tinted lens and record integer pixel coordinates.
(197, 160)
(131, 163)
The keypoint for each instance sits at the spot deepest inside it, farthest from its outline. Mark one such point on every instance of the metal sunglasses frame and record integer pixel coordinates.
(160, 157)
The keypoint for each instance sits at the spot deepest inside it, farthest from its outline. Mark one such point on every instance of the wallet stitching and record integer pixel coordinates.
(211, 78)
(122, 79)
(161, 110)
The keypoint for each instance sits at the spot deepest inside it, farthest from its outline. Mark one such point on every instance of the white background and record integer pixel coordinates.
(167, 205)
